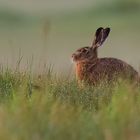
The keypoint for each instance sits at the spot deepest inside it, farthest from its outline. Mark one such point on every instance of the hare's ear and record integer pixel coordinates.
(98, 32)
(100, 36)
(106, 32)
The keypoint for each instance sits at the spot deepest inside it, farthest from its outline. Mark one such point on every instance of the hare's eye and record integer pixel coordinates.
(84, 50)
(87, 51)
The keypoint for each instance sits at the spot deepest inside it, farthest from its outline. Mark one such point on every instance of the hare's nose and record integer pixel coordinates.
(73, 55)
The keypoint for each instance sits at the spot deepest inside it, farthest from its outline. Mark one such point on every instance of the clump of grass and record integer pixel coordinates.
(46, 107)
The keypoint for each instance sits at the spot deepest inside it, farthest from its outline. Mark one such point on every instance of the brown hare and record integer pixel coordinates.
(94, 70)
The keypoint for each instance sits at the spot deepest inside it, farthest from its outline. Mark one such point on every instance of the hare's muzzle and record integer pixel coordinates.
(73, 57)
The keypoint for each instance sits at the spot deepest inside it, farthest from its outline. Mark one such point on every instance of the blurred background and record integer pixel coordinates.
(49, 31)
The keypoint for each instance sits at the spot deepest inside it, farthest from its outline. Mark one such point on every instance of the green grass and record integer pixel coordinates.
(45, 106)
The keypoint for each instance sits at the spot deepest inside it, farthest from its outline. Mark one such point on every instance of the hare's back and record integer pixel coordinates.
(111, 66)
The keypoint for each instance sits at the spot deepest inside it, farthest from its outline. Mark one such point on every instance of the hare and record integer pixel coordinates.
(94, 70)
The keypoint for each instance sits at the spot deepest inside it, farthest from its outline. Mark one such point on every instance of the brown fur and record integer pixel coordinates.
(94, 70)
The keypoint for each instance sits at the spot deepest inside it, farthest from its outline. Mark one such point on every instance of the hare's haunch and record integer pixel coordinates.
(91, 69)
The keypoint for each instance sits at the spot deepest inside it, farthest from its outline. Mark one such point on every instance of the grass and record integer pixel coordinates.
(49, 107)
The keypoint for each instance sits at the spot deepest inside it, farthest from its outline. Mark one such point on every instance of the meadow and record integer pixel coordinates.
(39, 95)
(45, 106)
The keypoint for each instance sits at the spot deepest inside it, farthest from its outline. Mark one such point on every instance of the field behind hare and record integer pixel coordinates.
(47, 38)
(39, 96)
